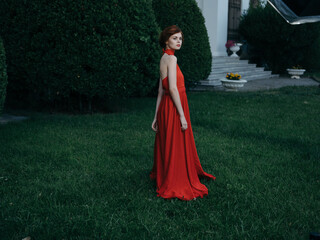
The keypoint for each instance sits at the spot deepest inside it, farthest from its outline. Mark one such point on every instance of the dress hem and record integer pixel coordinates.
(182, 198)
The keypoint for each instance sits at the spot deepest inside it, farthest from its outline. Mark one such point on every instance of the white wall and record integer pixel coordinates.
(244, 5)
(215, 13)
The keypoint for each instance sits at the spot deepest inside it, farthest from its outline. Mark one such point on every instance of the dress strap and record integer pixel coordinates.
(168, 51)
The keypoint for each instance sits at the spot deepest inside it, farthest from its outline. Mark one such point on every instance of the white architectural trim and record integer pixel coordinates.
(215, 13)
(244, 5)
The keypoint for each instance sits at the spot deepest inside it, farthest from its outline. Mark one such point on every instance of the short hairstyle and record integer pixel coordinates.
(166, 34)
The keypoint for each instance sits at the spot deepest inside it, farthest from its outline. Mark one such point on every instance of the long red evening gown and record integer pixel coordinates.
(176, 166)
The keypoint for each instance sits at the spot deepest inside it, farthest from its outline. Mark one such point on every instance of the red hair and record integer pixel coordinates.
(166, 34)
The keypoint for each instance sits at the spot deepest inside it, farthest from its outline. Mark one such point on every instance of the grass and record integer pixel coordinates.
(314, 74)
(87, 177)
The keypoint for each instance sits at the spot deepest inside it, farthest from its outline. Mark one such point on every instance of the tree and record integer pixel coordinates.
(277, 43)
(59, 51)
(195, 56)
(3, 76)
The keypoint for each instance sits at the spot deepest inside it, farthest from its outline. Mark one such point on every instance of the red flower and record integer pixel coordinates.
(230, 43)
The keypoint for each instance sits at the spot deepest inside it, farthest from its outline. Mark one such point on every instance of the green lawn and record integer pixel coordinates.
(87, 176)
(314, 74)
(317, 76)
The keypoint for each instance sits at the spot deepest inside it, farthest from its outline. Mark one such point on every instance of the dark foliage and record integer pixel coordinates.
(3, 76)
(195, 57)
(277, 44)
(70, 53)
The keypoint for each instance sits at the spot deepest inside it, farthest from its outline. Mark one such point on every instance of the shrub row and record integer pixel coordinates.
(69, 52)
(3, 76)
(83, 50)
(278, 44)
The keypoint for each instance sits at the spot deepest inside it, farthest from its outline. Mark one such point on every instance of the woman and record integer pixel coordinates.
(176, 166)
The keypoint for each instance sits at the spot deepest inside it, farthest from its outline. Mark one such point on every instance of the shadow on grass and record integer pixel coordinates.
(306, 150)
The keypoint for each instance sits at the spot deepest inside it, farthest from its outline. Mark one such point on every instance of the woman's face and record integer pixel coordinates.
(175, 41)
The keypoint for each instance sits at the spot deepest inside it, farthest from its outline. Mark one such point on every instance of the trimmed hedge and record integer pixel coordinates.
(66, 50)
(195, 56)
(3, 76)
(278, 44)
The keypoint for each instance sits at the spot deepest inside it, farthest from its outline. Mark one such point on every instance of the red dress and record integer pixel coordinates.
(176, 166)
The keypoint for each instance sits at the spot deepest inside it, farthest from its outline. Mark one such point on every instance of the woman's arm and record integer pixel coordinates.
(160, 94)
(172, 77)
(154, 124)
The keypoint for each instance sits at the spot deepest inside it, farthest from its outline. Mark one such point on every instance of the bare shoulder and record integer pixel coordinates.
(167, 61)
(170, 59)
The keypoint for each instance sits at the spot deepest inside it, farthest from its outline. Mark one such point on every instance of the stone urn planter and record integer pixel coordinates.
(235, 48)
(295, 73)
(232, 85)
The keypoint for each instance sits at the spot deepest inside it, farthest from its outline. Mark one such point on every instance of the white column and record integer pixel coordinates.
(200, 4)
(244, 5)
(215, 13)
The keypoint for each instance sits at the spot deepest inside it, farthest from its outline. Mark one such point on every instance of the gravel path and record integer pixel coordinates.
(5, 118)
(264, 84)
(272, 83)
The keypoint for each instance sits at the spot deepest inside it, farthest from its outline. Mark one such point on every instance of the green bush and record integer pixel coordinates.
(3, 76)
(277, 43)
(60, 50)
(195, 57)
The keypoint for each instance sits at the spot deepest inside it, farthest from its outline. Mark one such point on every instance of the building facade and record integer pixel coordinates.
(222, 19)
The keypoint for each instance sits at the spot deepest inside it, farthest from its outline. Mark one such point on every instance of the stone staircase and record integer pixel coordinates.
(223, 65)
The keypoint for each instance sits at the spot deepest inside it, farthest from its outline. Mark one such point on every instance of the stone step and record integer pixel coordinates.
(223, 65)
(231, 65)
(237, 70)
(225, 59)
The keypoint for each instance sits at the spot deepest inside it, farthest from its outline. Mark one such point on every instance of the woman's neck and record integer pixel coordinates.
(168, 51)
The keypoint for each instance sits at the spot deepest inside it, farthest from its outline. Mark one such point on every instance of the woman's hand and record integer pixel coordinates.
(184, 124)
(154, 125)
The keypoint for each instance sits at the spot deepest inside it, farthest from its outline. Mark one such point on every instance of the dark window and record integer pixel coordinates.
(234, 19)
